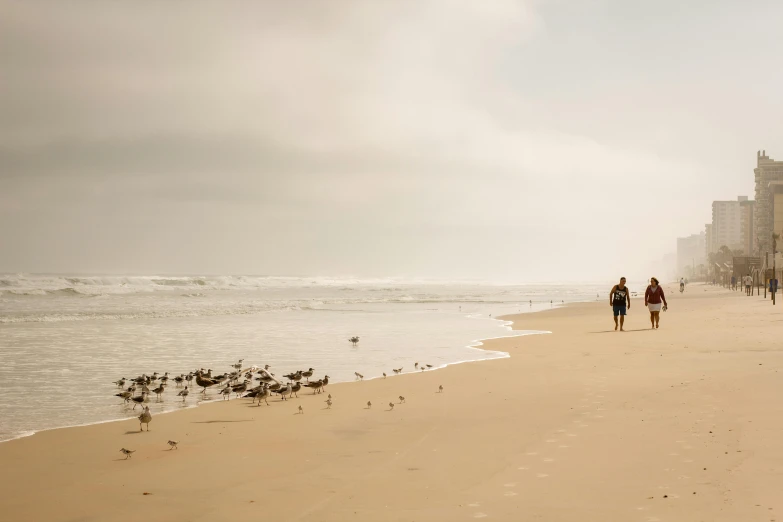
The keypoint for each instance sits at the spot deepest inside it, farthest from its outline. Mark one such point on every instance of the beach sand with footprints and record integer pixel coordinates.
(585, 424)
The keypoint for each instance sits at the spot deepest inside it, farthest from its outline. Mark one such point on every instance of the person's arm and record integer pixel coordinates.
(646, 295)
(664, 298)
(628, 296)
(611, 295)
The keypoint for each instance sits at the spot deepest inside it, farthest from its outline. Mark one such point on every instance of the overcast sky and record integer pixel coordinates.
(507, 140)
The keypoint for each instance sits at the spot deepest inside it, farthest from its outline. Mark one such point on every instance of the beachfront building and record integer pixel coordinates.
(708, 241)
(768, 216)
(691, 252)
(747, 227)
(727, 224)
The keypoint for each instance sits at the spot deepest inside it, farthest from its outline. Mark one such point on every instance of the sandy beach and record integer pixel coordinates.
(583, 424)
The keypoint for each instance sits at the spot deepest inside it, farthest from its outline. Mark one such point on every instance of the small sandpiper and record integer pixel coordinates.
(183, 393)
(301, 410)
(440, 389)
(391, 406)
(369, 405)
(429, 366)
(397, 370)
(358, 375)
(402, 399)
(384, 375)
(416, 366)
(172, 444)
(128, 453)
(328, 403)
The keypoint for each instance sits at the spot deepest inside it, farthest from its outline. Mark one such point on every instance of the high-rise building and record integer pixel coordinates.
(768, 216)
(747, 227)
(708, 249)
(690, 254)
(727, 224)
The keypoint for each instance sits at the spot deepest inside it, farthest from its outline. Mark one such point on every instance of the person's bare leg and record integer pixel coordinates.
(615, 323)
(622, 321)
(657, 319)
(652, 319)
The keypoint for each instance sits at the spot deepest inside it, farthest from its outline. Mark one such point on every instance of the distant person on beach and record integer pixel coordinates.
(653, 297)
(682, 284)
(733, 283)
(618, 298)
(748, 285)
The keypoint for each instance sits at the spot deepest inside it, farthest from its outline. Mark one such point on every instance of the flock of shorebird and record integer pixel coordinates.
(229, 384)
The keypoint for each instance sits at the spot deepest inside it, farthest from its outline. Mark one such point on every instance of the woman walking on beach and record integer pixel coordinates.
(652, 300)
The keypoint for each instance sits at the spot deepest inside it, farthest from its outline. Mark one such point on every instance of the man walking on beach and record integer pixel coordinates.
(748, 285)
(618, 298)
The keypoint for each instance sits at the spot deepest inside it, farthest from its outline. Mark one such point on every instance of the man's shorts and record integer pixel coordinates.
(618, 310)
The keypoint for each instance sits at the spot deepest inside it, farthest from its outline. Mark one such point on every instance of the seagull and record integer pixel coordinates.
(301, 410)
(369, 405)
(416, 366)
(440, 389)
(128, 453)
(284, 391)
(120, 383)
(402, 399)
(315, 386)
(294, 376)
(139, 399)
(262, 395)
(178, 380)
(238, 365)
(189, 378)
(391, 406)
(384, 375)
(145, 418)
(239, 389)
(308, 374)
(328, 403)
(126, 395)
(358, 375)
(429, 366)
(173, 444)
(159, 391)
(183, 393)
(165, 378)
(204, 381)
(397, 370)
(295, 388)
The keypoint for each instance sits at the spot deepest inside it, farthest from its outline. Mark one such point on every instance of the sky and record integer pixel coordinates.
(506, 140)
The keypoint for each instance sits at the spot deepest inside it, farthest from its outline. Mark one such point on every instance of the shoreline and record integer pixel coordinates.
(476, 344)
(675, 424)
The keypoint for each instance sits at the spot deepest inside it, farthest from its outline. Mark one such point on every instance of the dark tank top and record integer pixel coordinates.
(619, 295)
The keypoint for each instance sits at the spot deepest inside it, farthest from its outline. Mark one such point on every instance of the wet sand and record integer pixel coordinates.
(583, 424)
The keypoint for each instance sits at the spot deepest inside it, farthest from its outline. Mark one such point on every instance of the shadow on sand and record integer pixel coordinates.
(624, 331)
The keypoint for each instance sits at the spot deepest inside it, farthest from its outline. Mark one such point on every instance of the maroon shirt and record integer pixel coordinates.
(654, 296)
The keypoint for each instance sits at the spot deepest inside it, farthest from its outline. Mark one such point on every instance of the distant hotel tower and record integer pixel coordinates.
(769, 201)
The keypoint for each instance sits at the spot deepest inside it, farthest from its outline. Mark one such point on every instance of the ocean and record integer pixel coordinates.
(65, 339)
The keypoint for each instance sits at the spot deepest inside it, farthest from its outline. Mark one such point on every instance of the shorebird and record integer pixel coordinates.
(263, 395)
(397, 370)
(154, 376)
(139, 399)
(238, 365)
(301, 410)
(384, 375)
(402, 399)
(329, 396)
(391, 406)
(172, 444)
(354, 340)
(429, 366)
(145, 418)
(358, 375)
(159, 391)
(284, 391)
(369, 405)
(145, 389)
(128, 453)
(295, 388)
(274, 388)
(126, 395)
(165, 378)
(328, 403)
(189, 378)
(239, 389)
(226, 392)
(183, 393)
(422, 368)
(120, 383)
(178, 380)
(416, 366)
(315, 386)
(440, 389)
(308, 373)
(205, 382)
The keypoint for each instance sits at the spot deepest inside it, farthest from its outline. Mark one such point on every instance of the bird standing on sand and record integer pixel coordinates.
(183, 393)
(128, 453)
(120, 383)
(384, 375)
(283, 392)
(354, 340)
(263, 395)
(328, 403)
(301, 410)
(226, 392)
(145, 418)
(397, 370)
(295, 388)
(178, 380)
(391, 406)
(369, 405)
(402, 399)
(173, 444)
(440, 389)
(416, 366)
(307, 374)
(358, 375)
(204, 381)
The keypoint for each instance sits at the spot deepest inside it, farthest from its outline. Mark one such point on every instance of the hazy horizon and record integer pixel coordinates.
(528, 141)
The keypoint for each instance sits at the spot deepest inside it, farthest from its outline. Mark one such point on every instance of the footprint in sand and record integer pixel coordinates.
(510, 494)
(475, 504)
(551, 440)
(564, 446)
(523, 468)
(548, 460)
(572, 434)
(532, 453)
(480, 515)
(542, 475)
